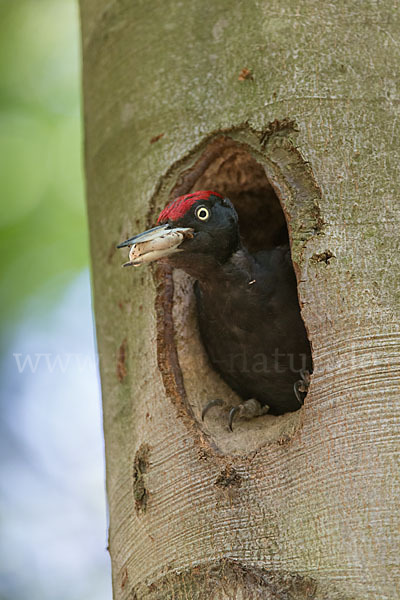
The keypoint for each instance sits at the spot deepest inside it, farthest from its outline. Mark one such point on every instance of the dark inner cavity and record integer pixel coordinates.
(237, 175)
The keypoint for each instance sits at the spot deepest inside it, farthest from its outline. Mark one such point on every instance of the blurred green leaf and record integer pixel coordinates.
(24, 158)
(43, 233)
(39, 53)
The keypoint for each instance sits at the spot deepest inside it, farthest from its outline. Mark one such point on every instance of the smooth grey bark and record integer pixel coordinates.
(301, 506)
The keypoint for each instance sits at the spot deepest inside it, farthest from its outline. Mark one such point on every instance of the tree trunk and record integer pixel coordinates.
(272, 103)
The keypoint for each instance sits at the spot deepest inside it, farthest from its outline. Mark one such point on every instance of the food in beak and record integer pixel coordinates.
(155, 243)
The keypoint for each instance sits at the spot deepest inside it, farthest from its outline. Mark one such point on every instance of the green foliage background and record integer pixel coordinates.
(52, 546)
(43, 234)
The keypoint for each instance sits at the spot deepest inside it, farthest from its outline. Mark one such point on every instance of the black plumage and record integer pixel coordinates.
(247, 305)
(251, 327)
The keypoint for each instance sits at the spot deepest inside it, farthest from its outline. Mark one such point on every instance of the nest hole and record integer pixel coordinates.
(228, 167)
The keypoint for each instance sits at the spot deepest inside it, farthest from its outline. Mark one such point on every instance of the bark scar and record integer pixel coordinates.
(121, 366)
(228, 477)
(140, 467)
(323, 257)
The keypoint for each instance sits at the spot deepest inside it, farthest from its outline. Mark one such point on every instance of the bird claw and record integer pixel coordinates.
(232, 413)
(248, 409)
(211, 404)
(300, 387)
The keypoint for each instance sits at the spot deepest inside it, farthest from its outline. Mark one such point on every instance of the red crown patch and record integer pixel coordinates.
(179, 207)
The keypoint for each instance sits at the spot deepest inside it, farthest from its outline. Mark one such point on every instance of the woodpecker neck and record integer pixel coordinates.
(212, 274)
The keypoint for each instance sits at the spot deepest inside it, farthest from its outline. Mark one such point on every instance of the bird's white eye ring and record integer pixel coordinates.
(202, 213)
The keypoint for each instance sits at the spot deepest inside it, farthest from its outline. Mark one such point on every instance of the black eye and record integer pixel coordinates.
(202, 213)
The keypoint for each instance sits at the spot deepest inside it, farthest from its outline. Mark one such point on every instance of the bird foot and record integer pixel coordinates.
(247, 410)
(301, 386)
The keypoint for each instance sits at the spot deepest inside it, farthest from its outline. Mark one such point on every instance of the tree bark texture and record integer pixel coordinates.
(261, 100)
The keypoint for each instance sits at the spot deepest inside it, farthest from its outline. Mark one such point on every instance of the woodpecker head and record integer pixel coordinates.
(195, 228)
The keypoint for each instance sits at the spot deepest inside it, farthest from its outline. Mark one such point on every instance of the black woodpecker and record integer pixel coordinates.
(247, 305)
